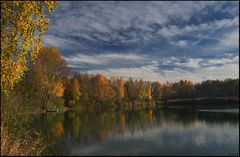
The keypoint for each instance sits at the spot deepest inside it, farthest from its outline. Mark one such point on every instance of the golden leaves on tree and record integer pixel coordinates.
(48, 73)
(120, 88)
(59, 89)
(23, 24)
(72, 92)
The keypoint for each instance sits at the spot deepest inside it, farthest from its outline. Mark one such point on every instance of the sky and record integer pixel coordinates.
(154, 41)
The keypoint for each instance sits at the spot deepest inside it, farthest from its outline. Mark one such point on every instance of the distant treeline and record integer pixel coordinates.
(49, 79)
(98, 87)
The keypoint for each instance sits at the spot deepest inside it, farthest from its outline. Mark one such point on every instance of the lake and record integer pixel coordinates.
(142, 132)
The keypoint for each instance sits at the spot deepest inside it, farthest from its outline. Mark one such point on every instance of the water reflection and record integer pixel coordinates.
(144, 132)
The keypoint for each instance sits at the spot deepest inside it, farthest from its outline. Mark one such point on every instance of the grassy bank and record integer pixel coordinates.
(12, 145)
(18, 137)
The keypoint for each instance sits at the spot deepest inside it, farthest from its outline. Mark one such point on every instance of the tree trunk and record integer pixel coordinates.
(46, 99)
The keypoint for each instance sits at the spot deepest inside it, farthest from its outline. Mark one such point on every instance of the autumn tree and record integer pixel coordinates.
(72, 92)
(87, 86)
(102, 88)
(76, 90)
(141, 90)
(47, 75)
(59, 89)
(131, 90)
(23, 24)
(156, 91)
(118, 85)
(167, 90)
(183, 89)
(148, 95)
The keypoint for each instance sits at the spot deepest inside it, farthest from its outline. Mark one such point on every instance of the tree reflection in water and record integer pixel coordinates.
(98, 126)
(82, 127)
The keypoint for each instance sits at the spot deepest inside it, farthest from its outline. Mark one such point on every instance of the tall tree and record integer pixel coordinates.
(76, 89)
(48, 72)
(148, 95)
(167, 90)
(23, 24)
(72, 92)
(120, 88)
(156, 91)
(86, 82)
(141, 90)
(183, 89)
(102, 88)
(131, 90)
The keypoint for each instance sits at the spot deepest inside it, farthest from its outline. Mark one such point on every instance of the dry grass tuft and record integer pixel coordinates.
(13, 146)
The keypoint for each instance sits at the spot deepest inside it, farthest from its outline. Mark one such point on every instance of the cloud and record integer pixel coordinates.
(102, 59)
(147, 72)
(226, 42)
(191, 63)
(51, 40)
(173, 30)
(233, 9)
(63, 43)
(142, 68)
(151, 69)
(97, 25)
(104, 20)
(148, 39)
(233, 60)
(200, 74)
(229, 40)
(181, 43)
(212, 37)
(202, 69)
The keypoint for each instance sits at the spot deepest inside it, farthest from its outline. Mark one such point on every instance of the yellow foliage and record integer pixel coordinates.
(22, 26)
(76, 90)
(150, 116)
(142, 90)
(59, 89)
(58, 129)
(149, 93)
(122, 123)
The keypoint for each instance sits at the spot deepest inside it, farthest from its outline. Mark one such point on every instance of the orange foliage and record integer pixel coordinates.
(102, 87)
(120, 88)
(59, 89)
(168, 85)
(101, 79)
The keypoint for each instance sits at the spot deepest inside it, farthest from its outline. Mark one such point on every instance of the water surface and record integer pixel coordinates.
(142, 132)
